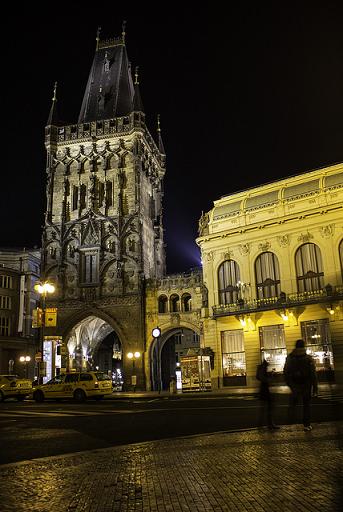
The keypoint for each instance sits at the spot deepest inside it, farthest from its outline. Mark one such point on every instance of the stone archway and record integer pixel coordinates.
(94, 344)
(165, 353)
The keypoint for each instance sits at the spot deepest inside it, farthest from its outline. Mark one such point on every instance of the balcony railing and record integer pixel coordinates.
(326, 295)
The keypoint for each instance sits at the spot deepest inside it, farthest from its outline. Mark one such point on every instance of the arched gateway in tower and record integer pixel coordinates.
(103, 232)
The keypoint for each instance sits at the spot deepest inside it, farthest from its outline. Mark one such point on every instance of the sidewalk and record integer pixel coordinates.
(242, 471)
(335, 389)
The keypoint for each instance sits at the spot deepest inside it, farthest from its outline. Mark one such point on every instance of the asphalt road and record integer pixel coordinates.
(29, 430)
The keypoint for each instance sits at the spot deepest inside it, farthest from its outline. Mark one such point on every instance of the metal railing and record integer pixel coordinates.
(326, 295)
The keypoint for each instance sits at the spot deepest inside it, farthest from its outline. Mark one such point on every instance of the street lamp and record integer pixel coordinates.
(133, 356)
(156, 333)
(25, 360)
(43, 289)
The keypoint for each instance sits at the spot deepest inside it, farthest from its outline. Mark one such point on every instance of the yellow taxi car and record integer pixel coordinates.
(77, 385)
(14, 386)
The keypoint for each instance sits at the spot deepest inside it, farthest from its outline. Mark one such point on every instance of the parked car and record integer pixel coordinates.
(77, 385)
(14, 386)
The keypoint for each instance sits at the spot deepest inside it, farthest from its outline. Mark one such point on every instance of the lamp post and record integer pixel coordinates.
(43, 289)
(133, 356)
(25, 360)
(156, 334)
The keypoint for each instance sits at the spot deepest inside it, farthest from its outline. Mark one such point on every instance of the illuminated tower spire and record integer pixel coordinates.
(53, 117)
(160, 142)
(137, 102)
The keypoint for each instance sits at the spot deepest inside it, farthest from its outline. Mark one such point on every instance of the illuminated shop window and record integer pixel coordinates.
(309, 268)
(273, 346)
(267, 273)
(228, 277)
(316, 334)
(233, 353)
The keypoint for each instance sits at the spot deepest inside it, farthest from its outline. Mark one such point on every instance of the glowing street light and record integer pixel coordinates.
(43, 288)
(133, 356)
(25, 360)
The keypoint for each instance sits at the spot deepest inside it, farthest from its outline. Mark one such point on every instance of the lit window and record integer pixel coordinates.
(228, 277)
(309, 268)
(234, 367)
(317, 336)
(273, 346)
(267, 276)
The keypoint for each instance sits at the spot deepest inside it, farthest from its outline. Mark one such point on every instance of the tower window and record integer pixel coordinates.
(109, 194)
(89, 268)
(75, 197)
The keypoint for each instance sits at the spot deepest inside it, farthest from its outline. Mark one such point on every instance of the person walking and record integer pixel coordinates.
(267, 400)
(300, 375)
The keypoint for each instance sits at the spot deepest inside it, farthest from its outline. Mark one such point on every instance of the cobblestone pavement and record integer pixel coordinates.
(255, 471)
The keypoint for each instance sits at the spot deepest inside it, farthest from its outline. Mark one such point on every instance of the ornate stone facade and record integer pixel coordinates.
(103, 232)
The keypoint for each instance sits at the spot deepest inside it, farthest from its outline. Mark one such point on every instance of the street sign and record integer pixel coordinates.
(42, 369)
(38, 357)
(50, 317)
(36, 318)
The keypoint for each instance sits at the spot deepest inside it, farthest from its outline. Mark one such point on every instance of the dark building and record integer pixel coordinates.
(19, 271)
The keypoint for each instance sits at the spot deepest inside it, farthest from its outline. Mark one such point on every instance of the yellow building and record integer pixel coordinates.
(273, 266)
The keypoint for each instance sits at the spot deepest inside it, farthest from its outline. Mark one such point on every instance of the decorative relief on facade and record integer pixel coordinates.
(175, 319)
(244, 249)
(305, 237)
(203, 224)
(265, 246)
(283, 240)
(90, 294)
(327, 231)
(228, 255)
(209, 256)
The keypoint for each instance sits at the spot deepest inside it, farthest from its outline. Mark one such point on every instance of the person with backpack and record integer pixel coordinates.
(300, 375)
(267, 402)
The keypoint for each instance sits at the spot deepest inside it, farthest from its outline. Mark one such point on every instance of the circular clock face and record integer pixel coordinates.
(156, 332)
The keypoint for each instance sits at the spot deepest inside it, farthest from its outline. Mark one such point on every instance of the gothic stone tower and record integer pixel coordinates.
(103, 233)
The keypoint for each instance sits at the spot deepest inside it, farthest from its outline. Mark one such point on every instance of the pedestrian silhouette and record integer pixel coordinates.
(266, 397)
(300, 375)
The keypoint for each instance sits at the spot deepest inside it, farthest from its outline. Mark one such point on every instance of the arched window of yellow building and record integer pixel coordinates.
(228, 278)
(309, 268)
(267, 272)
(341, 255)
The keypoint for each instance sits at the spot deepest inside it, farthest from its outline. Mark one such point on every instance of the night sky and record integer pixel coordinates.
(245, 96)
